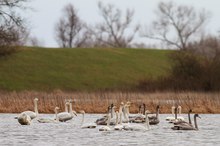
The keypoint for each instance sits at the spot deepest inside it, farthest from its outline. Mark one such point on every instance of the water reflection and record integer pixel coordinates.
(70, 133)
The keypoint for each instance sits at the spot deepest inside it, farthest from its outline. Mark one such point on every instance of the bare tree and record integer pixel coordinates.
(70, 30)
(115, 29)
(12, 30)
(7, 11)
(177, 24)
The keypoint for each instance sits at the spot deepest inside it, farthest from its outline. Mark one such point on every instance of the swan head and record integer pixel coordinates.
(82, 112)
(197, 115)
(190, 110)
(158, 106)
(147, 112)
(56, 108)
(128, 103)
(35, 99)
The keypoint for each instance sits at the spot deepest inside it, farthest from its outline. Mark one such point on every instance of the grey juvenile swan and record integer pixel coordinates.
(154, 120)
(187, 127)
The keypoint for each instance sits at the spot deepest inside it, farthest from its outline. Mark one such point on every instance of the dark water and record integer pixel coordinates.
(70, 133)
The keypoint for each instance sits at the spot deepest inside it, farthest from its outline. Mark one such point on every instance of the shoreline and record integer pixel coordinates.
(97, 102)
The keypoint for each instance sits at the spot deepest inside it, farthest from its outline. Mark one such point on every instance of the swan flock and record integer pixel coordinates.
(113, 120)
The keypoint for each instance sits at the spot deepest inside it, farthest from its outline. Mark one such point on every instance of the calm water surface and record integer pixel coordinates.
(70, 133)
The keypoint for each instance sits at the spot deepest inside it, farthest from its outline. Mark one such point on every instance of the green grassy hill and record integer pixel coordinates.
(80, 69)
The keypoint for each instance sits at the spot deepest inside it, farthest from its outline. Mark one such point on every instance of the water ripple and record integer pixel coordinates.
(70, 133)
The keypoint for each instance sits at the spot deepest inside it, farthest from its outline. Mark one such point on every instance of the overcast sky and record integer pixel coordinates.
(46, 13)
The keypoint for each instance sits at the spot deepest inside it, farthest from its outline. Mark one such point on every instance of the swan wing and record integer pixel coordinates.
(44, 120)
(64, 116)
(30, 113)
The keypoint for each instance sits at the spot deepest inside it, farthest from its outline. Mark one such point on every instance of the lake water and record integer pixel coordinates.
(70, 133)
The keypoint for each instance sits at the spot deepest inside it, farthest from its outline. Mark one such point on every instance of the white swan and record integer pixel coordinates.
(65, 116)
(24, 119)
(46, 120)
(177, 117)
(31, 113)
(106, 128)
(119, 126)
(139, 127)
(180, 111)
(125, 110)
(86, 125)
(66, 105)
(173, 115)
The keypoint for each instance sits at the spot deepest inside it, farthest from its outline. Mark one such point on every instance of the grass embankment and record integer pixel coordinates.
(97, 102)
(43, 69)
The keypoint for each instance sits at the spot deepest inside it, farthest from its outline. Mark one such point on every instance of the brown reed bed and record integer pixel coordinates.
(97, 102)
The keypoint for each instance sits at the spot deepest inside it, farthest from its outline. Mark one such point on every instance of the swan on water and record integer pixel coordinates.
(47, 120)
(175, 118)
(24, 119)
(103, 120)
(140, 117)
(139, 127)
(184, 122)
(154, 120)
(65, 116)
(86, 125)
(31, 113)
(173, 114)
(187, 127)
(119, 126)
(106, 128)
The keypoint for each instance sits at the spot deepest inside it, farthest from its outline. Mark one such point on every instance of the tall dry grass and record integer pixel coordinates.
(97, 102)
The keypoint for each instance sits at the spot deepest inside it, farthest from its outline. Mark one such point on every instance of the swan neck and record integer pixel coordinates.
(172, 110)
(66, 108)
(147, 125)
(108, 122)
(120, 114)
(120, 109)
(180, 110)
(71, 109)
(112, 112)
(56, 112)
(35, 107)
(124, 112)
(195, 121)
(190, 122)
(175, 112)
(157, 113)
(116, 122)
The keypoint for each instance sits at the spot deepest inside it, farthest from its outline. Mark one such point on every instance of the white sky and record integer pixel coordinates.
(47, 12)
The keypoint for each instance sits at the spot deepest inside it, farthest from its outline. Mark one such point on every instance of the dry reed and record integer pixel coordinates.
(97, 102)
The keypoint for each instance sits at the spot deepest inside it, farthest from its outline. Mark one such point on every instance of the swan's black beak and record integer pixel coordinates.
(74, 113)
